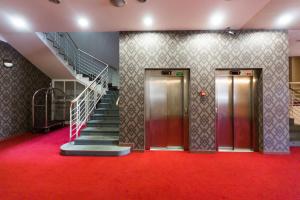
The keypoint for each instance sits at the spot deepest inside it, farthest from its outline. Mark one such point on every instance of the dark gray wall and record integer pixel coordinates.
(17, 86)
(104, 46)
(202, 52)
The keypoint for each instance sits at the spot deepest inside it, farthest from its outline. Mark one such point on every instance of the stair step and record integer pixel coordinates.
(96, 140)
(97, 123)
(107, 115)
(113, 92)
(106, 105)
(106, 98)
(70, 149)
(109, 94)
(104, 131)
(104, 117)
(112, 97)
(106, 111)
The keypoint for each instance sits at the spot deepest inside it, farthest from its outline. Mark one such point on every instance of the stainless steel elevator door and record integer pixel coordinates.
(224, 112)
(175, 111)
(242, 112)
(234, 104)
(166, 111)
(158, 111)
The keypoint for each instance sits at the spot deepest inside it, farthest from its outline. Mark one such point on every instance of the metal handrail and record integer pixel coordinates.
(117, 102)
(80, 95)
(92, 56)
(83, 105)
(82, 63)
(79, 60)
(72, 40)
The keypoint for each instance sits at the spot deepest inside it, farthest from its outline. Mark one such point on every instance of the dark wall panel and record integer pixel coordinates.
(17, 86)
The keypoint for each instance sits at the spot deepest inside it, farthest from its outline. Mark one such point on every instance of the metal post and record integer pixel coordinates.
(78, 118)
(71, 124)
(86, 102)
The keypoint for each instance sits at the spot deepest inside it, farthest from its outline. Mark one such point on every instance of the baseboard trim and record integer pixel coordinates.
(138, 150)
(131, 145)
(203, 151)
(276, 153)
(14, 136)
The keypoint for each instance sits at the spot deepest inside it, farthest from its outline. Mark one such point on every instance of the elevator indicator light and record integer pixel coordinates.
(166, 72)
(179, 73)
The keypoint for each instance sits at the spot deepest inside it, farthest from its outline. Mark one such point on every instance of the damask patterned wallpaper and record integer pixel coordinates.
(17, 86)
(202, 52)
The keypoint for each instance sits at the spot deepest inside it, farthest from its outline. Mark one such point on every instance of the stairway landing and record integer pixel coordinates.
(101, 136)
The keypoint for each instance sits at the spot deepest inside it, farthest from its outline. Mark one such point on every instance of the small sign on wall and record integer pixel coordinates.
(180, 74)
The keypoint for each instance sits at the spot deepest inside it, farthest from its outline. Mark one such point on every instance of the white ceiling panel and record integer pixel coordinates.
(42, 15)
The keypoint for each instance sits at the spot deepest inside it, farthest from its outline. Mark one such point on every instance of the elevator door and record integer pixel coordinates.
(166, 111)
(225, 112)
(234, 94)
(242, 112)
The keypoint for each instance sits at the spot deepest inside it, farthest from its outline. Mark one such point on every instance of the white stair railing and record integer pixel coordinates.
(85, 65)
(294, 107)
(79, 61)
(83, 105)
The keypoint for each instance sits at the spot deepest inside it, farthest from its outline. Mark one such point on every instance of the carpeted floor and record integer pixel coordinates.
(31, 168)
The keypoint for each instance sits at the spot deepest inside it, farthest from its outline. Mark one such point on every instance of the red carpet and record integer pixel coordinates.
(31, 168)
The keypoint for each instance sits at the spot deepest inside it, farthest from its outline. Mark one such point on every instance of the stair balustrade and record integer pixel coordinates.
(83, 105)
(79, 60)
(85, 65)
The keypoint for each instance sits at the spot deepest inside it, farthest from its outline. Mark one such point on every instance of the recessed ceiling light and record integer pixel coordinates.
(285, 20)
(83, 22)
(118, 3)
(19, 23)
(148, 21)
(230, 31)
(216, 20)
(55, 1)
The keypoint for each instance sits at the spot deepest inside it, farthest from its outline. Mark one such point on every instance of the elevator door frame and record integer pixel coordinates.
(254, 109)
(186, 93)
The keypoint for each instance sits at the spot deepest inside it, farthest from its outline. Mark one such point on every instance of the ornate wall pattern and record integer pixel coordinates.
(17, 86)
(202, 52)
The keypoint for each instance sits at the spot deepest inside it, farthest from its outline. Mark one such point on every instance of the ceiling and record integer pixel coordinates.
(41, 15)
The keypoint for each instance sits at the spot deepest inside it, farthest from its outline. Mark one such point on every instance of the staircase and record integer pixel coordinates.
(94, 114)
(101, 136)
(81, 64)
